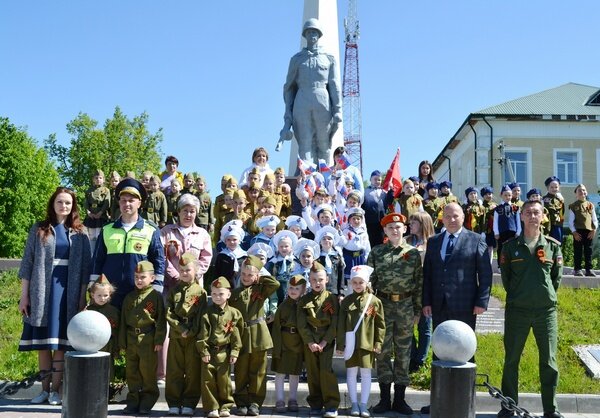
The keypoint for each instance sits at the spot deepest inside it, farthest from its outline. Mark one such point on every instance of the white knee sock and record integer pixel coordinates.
(351, 375)
(279, 379)
(365, 385)
(294, 379)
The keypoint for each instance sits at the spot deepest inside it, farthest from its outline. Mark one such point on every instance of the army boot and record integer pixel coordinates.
(400, 404)
(385, 400)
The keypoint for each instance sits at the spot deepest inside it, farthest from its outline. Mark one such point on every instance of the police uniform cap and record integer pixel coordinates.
(446, 183)
(432, 185)
(362, 271)
(295, 220)
(132, 187)
(98, 172)
(551, 179)
(253, 261)
(186, 259)
(144, 266)
(533, 191)
(297, 280)
(485, 190)
(221, 283)
(505, 188)
(393, 217)
(470, 190)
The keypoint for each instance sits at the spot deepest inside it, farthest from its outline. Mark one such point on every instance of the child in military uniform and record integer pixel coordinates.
(506, 219)
(251, 367)
(219, 344)
(100, 293)
(205, 218)
(172, 199)
(282, 189)
(430, 203)
(288, 354)
(408, 202)
(487, 193)
(186, 303)
(474, 212)
(155, 205)
(583, 223)
(328, 238)
(97, 206)
(188, 184)
(360, 318)
(317, 324)
(555, 203)
(115, 212)
(142, 331)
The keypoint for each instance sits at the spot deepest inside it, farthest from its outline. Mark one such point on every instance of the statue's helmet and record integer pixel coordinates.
(312, 23)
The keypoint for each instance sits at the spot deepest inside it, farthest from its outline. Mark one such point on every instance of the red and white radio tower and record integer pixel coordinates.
(351, 89)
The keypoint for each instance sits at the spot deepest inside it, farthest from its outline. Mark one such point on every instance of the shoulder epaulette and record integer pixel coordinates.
(554, 240)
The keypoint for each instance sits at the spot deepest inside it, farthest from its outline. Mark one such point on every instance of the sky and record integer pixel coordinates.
(210, 74)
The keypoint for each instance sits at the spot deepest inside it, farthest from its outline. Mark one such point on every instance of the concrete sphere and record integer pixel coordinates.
(88, 331)
(454, 341)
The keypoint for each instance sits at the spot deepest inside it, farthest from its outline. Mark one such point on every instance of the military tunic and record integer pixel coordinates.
(143, 326)
(172, 214)
(185, 305)
(251, 366)
(115, 210)
(370, 333)
(97, 201)
(113, 315)
(286, 203)
(155, 208)
(440, 203)
(474, 217)
(431, 207)
(556, 209)
(317, 321)
(488, 208)
(288, 354)
(205, 217)
(398, 281)
(220, 338)
(582, 219)
(531, 282)
(406, 205)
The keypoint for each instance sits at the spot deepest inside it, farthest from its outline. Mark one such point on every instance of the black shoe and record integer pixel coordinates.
(402, 407)
(315, 411)
(554, 414)
(590, 273)
(241, 411)
(505, 413)
(144, 411)
(385, 401)
(130, 410)
(253, 410)
(425, 409)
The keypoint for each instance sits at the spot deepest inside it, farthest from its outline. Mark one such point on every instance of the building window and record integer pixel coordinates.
(518, 167)
(567, 165)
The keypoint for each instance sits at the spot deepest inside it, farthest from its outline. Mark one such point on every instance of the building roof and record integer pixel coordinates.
(568, 99)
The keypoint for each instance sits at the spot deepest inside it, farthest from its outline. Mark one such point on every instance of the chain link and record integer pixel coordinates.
(10, 388)
(506, 402)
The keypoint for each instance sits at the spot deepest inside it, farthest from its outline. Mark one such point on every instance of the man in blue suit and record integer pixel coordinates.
(457, 274)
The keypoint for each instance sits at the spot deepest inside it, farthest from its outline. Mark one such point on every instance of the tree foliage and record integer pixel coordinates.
(122, 144)
(27, 179)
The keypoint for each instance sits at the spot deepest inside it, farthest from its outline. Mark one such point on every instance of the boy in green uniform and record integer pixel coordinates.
(555, 203)
(531, 270)
(583, 223)
(185, 305)
(172, 200)
(188, 184)
(141, 333)
(251, 367)
(97, 205)
(155, 205)
(115, 212)
(205, 218)
(317, 324)
(219, 344)
(474, 212)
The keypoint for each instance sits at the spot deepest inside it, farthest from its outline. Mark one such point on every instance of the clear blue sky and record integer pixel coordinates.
(211, 73)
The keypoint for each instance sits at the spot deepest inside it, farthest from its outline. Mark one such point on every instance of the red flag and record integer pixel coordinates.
(392, 178)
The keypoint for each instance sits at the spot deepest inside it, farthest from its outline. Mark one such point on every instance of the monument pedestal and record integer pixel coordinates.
(452, 389)
(85, 389)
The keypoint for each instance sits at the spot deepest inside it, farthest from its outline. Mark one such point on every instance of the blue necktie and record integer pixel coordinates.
(449, 246)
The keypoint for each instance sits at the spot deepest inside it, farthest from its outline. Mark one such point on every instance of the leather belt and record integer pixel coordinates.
(394, 297)
(184, 319)
(218, 348)
(142, 330)
(254, 321)
(291, 330)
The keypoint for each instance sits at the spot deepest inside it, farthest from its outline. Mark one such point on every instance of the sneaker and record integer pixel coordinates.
(578, 273)
(293, 405)
(354, 410)
(224, 412)
(253, 410)
(41, 398)
(330, 413)
(54, 398)
(174, 410)
(280, 407)
(213, 414)
(187, 411)
(589, 273)
(364, 410)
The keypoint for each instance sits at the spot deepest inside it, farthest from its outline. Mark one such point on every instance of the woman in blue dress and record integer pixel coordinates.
(54, 275)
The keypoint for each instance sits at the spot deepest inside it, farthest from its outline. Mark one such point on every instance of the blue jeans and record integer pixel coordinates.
(420, 345)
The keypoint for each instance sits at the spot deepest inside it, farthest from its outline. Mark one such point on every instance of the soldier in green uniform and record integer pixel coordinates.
(100, 293)
(97, 206)
(219, 343)
(115, 212)
(583, 223)
(288, 355)
(430, 203)
(142, 331)
(185, 304)
(251, 366)
(536, 194)
(532, 267)
(397, 280)
(155, 206)
(317, 324)
(555, 203)
(172, 200)
(474, 212)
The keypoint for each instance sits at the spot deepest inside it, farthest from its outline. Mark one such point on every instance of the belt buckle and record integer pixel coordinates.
(395, 298)
(292, 330)
(356, 254)
(185, 320)
(137, 330)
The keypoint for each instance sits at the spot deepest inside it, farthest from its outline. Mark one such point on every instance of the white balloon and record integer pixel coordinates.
(454, 341)
(88, 331)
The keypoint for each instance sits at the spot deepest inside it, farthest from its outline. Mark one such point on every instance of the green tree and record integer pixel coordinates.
(122, 144)
(27, 179)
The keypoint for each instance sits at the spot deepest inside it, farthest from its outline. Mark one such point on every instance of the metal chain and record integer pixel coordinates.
(10, 388)
(506, 402)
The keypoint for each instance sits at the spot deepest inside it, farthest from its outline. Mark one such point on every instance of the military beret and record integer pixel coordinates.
(514, 185)
(132, 187)
(98, 172)
(221, 283)
(432, 185)
(393, 217)
(533, 191)
(295, 220)
(355, 212)
(283, 235)
(189, 176)
(415, 179)
(362, 271)
(144, 267)
(470, 190)
(376, 173)
(297, 280)
(485, 190)
(505, 188)
(316, 266)
(269, 220)
(253, 261)
(551, 179)
(446, 183)
(186, 259)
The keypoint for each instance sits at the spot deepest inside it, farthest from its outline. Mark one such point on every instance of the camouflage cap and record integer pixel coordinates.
(393, 217)
(253, 261)
(221, 283)
(144, 267)
(187, 259)
(297, 280)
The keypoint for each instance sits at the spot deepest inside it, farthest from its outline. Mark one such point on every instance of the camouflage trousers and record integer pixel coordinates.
(399, 317)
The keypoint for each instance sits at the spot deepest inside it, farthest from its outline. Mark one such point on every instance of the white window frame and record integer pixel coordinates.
(527, 151)
(576, 151)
